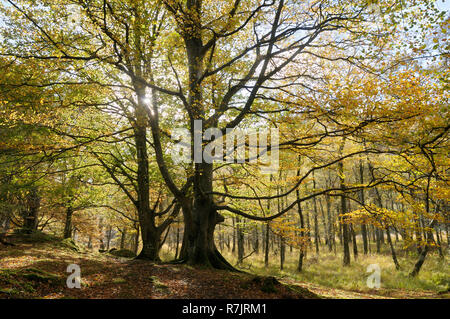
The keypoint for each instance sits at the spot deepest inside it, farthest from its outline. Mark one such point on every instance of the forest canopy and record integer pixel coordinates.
(125, 124)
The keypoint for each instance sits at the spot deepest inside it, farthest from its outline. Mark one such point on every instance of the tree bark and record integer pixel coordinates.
(68, 223)
(267, 247)
(363, 202)
(30, 214)
(240, 242)
(345, 230)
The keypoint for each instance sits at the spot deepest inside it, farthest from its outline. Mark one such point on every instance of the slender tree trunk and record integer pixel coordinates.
(355, 244)
(330, 224)
(391, 245)
(428, 234)
(122, 238)
(150, 234)
(423, 254)
(439, 246)
(108, 237)
(266, 245)
(68, 223)
(308, 225)
(302, 236)
(324, 223)
(345, 226)
(256, 240)
(303, 243)
(240, 242)
(316, 222)
(378, 239)
(136, 238)
(178, 242)
(233, 249)
(282, 252)
(363, 202)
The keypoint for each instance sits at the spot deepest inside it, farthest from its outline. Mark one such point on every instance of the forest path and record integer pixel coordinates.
(39, 270)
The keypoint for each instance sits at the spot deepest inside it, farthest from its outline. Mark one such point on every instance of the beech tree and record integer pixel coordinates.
(156, 65)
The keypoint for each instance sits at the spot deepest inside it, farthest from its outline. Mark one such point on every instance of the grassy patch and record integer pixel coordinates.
(23, 283)
(157, 284)
(327, 270)
(125, 253)
(33, 237)
(119, 280)
(69, 243)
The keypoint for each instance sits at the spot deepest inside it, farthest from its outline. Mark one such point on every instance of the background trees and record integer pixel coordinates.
(93, 90)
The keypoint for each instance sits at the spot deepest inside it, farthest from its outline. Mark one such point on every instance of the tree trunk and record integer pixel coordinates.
(424, 252)
(363, 202)
(378, 239)
(330, 224)
(256, 241)
(439, 246)
(282, 252)
(178, 242)
(316, 222)
(68, 223)
(303, 245)
(391, 245)
(122, 238)
(136, 240)
(355, 245)
(108, 237)
(267, 247)
(345, 230)
(30, 214)
(233, 249)
(150, 233)
(240, 242)
(302, 235)
(200, 223)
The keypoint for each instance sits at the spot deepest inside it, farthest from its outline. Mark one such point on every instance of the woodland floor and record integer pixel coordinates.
(38, 270)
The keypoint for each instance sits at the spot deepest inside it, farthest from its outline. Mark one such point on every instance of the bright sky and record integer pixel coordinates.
(443, 4)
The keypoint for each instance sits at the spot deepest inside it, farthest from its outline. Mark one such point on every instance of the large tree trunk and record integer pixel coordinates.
(200, 222)
(199, 248)
(30, 214)
(151, 243)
